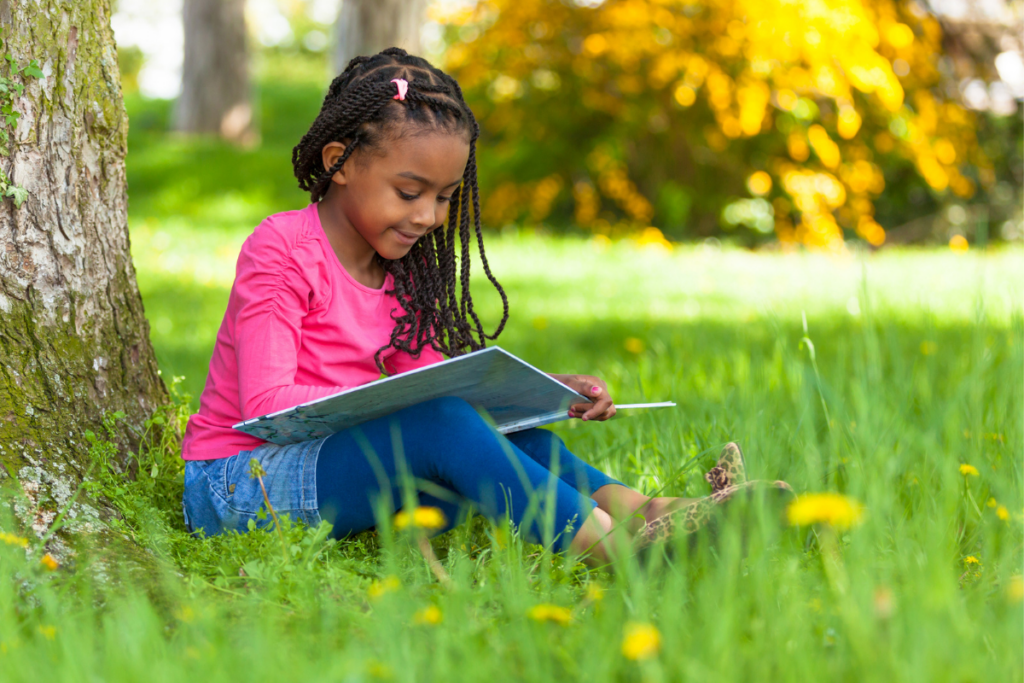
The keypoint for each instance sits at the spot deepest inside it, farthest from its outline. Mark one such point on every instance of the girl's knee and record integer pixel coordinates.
(447, 409)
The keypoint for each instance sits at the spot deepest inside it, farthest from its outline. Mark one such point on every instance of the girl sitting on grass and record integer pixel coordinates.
(366, 280)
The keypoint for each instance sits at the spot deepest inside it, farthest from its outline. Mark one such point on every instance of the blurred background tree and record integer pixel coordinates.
(215, 93)
(369, 26)
(768, 122)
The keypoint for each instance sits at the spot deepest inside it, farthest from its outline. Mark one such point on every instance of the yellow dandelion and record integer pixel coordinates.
(423, 517)
(49, 562)
(883, 602)
(379, 670)
(540, 323)
(834, 509)
(553, 613)
(185, 614)
(595, 592)
(378, 589)
(928, 348)
(11, 539)
(634, 345)
(1015, 591)
(1002, 513)
(991, 502)
(971, 559)
(48, 632)
(640, 641)
(429, 615)
(968, 470)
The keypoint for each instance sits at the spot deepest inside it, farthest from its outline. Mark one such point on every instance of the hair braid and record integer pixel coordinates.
(431, 282)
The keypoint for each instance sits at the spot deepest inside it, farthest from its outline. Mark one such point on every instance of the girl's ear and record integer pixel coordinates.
(331, 152)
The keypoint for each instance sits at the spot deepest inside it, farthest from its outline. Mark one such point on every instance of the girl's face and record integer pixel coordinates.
(394, 196)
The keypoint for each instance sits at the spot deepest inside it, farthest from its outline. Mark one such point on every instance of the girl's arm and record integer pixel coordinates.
(270, 298)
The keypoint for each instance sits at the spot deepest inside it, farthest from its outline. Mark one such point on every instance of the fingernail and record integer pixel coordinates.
(584, 418)
(570, 413)
(595, 389)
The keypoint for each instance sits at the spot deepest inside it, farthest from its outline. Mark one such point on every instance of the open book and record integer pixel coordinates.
(515, 394)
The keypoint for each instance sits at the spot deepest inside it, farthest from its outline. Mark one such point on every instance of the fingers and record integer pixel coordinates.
(599, 410)
(602, 407)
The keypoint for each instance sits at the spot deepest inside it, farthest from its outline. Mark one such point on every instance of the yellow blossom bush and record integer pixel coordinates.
(629, 113)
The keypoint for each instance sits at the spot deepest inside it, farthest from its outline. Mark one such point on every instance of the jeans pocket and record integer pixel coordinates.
(202, 504)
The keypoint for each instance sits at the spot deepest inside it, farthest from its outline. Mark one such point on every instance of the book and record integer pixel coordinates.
(513, 393)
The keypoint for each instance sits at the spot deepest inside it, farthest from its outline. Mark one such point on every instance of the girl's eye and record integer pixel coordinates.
(408, 197)
(444, 199)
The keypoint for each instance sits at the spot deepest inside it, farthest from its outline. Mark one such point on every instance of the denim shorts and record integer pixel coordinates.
(221, 496)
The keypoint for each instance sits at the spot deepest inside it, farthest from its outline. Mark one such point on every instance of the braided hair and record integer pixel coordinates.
(431, 282)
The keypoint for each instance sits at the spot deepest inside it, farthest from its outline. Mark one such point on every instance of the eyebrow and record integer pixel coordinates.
(412, 176)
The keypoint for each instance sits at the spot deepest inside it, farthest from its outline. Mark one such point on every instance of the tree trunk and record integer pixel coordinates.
(215, 93)
(365, 27)
(74, 341)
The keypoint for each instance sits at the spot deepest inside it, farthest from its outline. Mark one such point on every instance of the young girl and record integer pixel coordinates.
(365, 280)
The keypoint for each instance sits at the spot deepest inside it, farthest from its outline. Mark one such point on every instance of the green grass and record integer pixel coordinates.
(925, 376)
(920, 359)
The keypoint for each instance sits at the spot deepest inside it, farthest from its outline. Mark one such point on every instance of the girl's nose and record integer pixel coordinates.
(424, 214)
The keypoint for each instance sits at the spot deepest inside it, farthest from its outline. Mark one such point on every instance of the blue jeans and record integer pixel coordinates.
(444, 447)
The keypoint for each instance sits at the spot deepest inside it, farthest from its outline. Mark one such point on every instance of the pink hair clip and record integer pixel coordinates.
(403, 87)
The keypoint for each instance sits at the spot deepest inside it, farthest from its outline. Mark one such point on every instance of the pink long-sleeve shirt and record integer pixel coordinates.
(298, 327)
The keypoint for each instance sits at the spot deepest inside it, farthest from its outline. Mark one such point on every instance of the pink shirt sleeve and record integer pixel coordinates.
(273, 295)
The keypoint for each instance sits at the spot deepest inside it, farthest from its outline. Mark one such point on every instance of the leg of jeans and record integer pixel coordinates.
(548, 450)
(444, 442)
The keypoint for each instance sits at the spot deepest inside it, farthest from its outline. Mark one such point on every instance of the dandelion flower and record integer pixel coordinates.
(971, 559)
(883, 602)
(641, 641)
(595, 592)
(1015, 590)
(1002, 513)
(634, 345)
(49, 562)
(185, 614)
(991, 502)
(11, 539)
(429, 615)
(380, 588)
(423, 517)
(49, 632)
(968, 470)
(553, 613)
(834, 509)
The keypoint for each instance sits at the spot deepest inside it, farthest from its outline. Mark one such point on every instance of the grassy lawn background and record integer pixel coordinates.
(916, 369)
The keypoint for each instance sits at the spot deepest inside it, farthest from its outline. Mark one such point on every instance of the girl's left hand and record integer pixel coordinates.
(593, 388)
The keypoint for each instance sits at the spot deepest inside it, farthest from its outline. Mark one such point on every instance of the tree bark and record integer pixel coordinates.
(365, 27)
(215, 93)
(74, 341)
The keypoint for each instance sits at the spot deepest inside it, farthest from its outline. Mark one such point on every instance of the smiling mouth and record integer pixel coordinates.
(408, 237)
